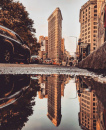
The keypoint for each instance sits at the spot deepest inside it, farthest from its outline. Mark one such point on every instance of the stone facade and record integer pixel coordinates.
(88, 24)
(96, 60)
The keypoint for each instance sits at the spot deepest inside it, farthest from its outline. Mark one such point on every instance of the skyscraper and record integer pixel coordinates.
(55, 35)
(54, 99)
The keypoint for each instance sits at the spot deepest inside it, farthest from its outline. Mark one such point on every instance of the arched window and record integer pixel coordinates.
(95, 6)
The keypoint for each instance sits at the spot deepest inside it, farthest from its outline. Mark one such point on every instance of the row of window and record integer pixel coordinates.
(86, 10)
(85, 21)
(95, 7)
(86, 25)
(95, 23)
(86, 14)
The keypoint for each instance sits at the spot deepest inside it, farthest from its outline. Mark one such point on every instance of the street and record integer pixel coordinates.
(47, 70)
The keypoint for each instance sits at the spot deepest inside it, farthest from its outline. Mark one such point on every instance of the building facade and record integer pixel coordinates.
(88, 24)
(62, 46)
(55, 35)
(43, 53)
(88, 105)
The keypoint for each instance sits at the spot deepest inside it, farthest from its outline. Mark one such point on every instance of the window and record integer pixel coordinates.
(95, 19)
(95, 6)
(93, 108)
(94, 48)
(89, 32)
(95, 14)
(7, 33)
(95, 23)
(89, 28)
(94, 120)
(2, 31)
(19, 39)
(93, 104)
(95, 27)
(95, 31)
(89, 36)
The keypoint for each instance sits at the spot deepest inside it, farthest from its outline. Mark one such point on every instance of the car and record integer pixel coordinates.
(34, 59)
(48, 61)
(12, 47)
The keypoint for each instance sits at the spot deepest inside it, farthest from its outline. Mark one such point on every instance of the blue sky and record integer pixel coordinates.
(40, 10)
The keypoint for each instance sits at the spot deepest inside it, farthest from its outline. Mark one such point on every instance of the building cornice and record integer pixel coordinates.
(86, 5)
(56, 10)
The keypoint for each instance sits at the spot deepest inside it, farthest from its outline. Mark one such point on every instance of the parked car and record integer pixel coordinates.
(35, 59)
(48, 61)
(12, 47)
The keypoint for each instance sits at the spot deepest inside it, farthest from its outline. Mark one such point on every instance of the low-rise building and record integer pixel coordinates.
(43, 53)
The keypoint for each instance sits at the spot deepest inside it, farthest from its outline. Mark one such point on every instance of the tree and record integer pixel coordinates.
(35, 48)
(15, 17)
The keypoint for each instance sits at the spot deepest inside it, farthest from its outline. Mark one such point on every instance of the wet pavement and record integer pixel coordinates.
(38, 97)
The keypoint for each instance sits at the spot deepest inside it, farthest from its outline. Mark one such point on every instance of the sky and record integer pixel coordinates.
(40, 10)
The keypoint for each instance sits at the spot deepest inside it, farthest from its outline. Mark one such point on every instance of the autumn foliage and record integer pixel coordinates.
(14, 16)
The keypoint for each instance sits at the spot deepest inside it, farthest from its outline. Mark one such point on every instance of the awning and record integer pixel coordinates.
(84, 45)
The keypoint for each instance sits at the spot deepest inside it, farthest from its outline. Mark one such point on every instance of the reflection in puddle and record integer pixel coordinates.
(23, 96)
(12, 88)
(92, 100)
